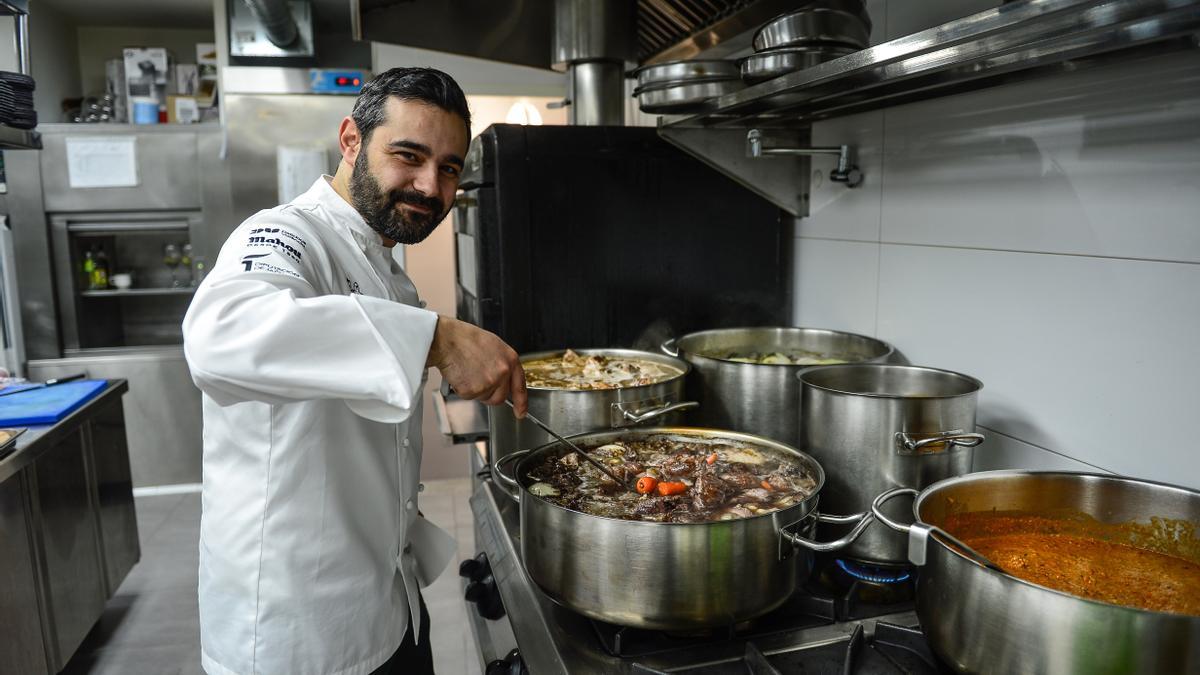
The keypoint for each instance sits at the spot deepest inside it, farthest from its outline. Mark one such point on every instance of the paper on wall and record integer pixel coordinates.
(297, 168)
(102, 161)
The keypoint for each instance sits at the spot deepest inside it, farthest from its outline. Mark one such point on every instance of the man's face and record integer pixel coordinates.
(406, 174)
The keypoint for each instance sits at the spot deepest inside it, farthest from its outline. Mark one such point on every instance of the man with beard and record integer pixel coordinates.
(311, 347)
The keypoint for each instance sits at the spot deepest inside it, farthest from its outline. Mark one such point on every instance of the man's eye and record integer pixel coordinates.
(407, 156)
(450, 170)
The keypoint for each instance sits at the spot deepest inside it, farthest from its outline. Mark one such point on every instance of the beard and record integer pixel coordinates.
(378, 208)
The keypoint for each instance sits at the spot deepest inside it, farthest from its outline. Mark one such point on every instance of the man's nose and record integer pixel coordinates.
(426, 180)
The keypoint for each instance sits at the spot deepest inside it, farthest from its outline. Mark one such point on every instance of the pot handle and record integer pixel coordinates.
(669, 347)
(920, 533)
(642, 414)
(947, 439)
(862, 520)
(511, 487)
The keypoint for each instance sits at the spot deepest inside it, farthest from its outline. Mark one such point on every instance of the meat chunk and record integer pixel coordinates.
(753, 496)
(679, 465)
(708, 492)
(741, 479)
(652, 506)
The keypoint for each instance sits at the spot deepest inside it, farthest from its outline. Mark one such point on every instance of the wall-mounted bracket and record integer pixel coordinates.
(760, 144)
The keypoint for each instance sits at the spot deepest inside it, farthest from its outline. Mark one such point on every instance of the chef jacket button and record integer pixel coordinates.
(408, 548)
(420, 487)
(410, 505)
(405, 442)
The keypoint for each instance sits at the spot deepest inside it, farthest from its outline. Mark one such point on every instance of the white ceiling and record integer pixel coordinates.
(156, 13)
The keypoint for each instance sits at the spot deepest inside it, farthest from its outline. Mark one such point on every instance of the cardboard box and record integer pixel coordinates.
(182, 110)
(146, 72)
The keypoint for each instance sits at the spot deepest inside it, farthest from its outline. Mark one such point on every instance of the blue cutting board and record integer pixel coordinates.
(47, 405)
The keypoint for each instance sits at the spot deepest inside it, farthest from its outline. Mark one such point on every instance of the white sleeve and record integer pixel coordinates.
(258, 331)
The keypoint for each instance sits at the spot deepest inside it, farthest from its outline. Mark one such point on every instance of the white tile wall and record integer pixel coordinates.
(1044, 237)
(837, 284)
(1103, 163)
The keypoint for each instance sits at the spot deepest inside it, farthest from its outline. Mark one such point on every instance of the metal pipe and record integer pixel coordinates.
(21, 36)
(596, 90)
(276, 18)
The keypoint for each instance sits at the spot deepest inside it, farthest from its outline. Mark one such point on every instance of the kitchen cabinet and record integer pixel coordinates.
(69, 532)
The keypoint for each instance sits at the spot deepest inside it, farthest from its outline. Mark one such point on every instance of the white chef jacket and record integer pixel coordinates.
(310, 349)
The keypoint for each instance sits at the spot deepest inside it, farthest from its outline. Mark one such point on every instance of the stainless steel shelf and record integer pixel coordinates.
(10, 7)
(136, 292)
(1018, 40)
(976, 51)
(19, 139)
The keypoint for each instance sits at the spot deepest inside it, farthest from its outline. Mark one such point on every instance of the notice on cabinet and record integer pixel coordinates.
(297, 168)
(102, 162)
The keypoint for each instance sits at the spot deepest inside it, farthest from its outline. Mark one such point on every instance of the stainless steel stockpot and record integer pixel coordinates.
(984, 621)
(875, 427)
(573, 411)
(668, 576)
(761, 399)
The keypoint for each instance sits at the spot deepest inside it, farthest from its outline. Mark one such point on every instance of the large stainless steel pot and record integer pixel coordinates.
(757, 398)
(576, 411)
(984, 621)
(668, 576)
(876, 427)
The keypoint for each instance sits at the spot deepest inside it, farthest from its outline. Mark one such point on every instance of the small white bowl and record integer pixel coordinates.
(121, 281)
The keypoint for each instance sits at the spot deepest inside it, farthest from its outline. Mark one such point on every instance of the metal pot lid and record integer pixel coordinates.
(813, 25)
(685, 98)
(685, 70)
(772, 63)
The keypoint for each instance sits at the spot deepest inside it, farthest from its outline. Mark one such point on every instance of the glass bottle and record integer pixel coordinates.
(89, 270)
(185, 261)
(100, 271)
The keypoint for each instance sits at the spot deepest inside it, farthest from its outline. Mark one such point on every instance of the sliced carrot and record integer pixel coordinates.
(665, 489)
(646, 484)
(766, 485)
(711, 458)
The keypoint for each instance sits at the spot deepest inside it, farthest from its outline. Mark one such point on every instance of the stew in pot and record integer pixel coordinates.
(595, 371)
(679, 480)
(1132, 565)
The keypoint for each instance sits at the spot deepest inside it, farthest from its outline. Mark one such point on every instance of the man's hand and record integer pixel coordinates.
(477, 364)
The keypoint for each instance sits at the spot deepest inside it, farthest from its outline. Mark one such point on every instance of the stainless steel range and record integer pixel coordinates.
(847, 619)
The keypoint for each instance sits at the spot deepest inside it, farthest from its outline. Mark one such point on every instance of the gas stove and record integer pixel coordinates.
(848, 618)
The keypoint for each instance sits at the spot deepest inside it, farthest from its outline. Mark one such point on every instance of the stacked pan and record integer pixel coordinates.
(820, 31)
(680, 87)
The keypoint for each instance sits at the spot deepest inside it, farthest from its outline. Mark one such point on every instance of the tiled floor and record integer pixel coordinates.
(151, 626)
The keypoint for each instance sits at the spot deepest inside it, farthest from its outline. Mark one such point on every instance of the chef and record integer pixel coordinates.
(310, 346)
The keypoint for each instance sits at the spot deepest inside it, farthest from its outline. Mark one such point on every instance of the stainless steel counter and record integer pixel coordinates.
(69, 532)
(38, 439)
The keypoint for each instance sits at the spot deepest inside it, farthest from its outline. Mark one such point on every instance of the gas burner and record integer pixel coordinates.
(873, 573)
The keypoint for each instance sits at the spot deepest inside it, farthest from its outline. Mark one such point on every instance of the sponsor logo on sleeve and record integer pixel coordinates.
(252, 263)
(355, 289)
(278, 239)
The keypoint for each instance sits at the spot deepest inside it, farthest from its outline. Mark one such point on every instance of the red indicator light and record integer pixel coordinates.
(356, 82)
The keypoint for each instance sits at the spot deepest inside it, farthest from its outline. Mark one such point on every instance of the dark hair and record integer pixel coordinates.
(426, 85)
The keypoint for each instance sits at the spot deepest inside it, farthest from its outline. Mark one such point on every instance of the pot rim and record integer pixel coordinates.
(983, 476)
(810, 502)
(788, 329)
(656, 357)
(932, 397)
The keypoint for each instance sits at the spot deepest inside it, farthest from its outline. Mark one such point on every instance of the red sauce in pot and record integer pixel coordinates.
(1131, 565)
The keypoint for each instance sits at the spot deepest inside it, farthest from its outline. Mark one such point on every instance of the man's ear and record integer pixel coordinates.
(349, 140)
